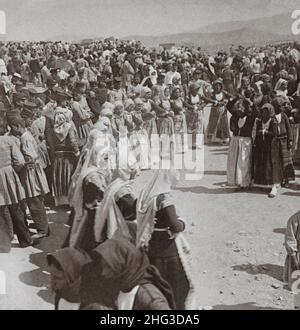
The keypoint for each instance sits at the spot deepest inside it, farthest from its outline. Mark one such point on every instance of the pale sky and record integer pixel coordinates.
(44, 19)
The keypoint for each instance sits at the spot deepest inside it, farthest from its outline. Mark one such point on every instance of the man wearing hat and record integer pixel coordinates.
(11, 193)
(118, 93)
(135, 88)
(28, 112)
(32, 176)
(38, 96)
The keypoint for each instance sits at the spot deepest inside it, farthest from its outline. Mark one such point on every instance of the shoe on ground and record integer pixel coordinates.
(40, 235)
(25, 245)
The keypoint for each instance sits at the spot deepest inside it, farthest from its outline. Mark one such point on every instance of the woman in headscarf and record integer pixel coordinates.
(82, 119)
(218, 128)
(239, 160)
(195, 116)
(66, 152)
(126, 159)
(149, 123)
(110, 222)
(165, 124)
(139, 138)
(89, 182)
(148, 113)
(158, 230)
(284, 139)
(65, 268)
(118, 121)
(266, 158)
(121, 277)
(281, 87)
(180, 127)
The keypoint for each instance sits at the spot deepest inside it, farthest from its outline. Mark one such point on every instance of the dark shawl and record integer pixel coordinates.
(119, 266)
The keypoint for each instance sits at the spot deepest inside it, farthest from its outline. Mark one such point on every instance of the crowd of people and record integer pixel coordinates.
(78, 122)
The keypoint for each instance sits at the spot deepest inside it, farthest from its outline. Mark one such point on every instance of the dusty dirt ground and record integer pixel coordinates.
(236, 240)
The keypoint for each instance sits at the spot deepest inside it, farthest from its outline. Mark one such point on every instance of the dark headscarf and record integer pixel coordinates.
(119, 266)
(71, 262)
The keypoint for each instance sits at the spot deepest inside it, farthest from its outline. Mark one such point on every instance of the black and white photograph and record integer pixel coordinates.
(149, 156)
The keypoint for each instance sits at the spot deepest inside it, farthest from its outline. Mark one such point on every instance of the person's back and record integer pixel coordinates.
(149, 297)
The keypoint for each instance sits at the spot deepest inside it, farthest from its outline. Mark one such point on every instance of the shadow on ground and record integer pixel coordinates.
(274, 271)
(39, 277)
(246, 306)
(279, 231)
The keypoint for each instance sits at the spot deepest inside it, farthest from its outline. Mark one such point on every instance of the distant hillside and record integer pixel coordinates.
(278, 24)
(243, 36)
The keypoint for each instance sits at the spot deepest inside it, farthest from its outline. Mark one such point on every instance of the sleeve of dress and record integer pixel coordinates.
(29, 149)
(188, 105)
(17, 157)
(291, 243)
(130, 68)
(80, 112)
(288, 128)
(273, 128)
(231, 104)
(254, 130)
(129, 123)
(137, 119)
(73, 140)
(167, 210)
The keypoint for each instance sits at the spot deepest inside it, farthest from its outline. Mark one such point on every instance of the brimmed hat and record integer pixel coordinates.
(60, 94)
(27, 113)
(29, 105)
(19, 97)
(37, 90)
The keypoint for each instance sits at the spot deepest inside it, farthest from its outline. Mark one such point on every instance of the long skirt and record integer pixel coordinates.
(63, 169)
(83, 130)
(11, 189)
(267, 169)
(165, 128)
(239, 161)
(34, 181)
(43, 153)
(195, 122)
(287, 167)
(172, 271)
(153, 138)
(296, 143)
(218, 127)
(150, 127)
(180, 129)
(140, 145)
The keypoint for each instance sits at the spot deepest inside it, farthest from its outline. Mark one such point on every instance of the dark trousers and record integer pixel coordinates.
(38, 213)
(18, 219)
(5, 244)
